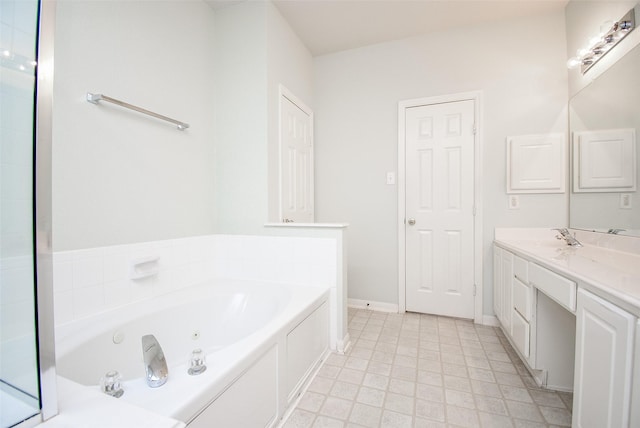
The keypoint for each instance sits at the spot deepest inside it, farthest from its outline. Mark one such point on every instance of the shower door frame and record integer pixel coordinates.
(43, 211)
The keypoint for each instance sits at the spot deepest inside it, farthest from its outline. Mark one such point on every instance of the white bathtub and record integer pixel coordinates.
(262, 341)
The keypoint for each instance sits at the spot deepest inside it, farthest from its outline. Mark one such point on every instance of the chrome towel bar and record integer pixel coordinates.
(95, 98)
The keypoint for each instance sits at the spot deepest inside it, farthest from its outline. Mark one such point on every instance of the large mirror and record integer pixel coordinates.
(604, 121)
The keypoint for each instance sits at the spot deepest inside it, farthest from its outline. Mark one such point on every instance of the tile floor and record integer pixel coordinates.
(412, 370)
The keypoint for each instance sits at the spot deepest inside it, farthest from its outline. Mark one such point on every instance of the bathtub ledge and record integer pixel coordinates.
(81, 407)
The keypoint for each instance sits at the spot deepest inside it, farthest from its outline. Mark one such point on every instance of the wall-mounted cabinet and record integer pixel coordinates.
(604, 161)
(536, 163)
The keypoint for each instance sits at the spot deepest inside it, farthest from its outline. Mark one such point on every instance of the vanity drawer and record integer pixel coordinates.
(520, 333)
(560, 289)
(520, 269)
(522, 298)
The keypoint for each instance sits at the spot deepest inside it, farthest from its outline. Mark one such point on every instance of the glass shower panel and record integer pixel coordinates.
(19, 390)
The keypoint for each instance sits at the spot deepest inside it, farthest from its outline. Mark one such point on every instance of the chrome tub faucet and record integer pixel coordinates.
(566, 235)
(155, 364)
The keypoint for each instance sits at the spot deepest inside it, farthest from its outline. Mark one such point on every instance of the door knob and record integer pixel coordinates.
(411, 221)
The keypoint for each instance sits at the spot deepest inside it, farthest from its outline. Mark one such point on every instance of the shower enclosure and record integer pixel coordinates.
(22, 363)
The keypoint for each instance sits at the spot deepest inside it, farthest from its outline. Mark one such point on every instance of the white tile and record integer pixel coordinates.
(180, 251)
(117, 293)
(87, 271)
(88, 301)
(141, 289)
(63, 307)
(116, 264)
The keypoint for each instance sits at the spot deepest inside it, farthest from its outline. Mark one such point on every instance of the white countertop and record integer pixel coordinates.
(614, 275)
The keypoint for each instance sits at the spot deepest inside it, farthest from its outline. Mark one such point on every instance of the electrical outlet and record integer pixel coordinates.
(514, 202)
(625, 201)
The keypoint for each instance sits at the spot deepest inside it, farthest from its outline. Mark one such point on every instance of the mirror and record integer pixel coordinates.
(604, 122)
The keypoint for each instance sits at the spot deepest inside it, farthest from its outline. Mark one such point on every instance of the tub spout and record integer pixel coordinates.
(154, 362)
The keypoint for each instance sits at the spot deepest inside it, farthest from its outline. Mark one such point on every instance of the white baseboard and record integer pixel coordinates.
(371, 305)
(490, 320)
(342, 346)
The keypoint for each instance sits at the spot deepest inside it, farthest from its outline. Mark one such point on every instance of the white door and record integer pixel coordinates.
(296, 162)
(439, 225)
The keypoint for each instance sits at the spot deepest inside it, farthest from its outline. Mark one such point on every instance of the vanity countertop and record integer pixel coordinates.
(612, 274)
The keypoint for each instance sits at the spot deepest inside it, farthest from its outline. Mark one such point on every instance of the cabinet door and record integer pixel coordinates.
(497, 282)
(507, 284)
(635, 389)
(603, 369)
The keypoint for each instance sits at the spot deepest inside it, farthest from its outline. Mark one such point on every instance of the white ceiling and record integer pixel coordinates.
(327, 26)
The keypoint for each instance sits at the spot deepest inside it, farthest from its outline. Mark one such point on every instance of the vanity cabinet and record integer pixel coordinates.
(521, 307)
(502, 286)
(603, 363)
(532, 304)
(512, 298)
(635, 386)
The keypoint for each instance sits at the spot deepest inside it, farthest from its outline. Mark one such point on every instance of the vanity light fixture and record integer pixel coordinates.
(603, 43)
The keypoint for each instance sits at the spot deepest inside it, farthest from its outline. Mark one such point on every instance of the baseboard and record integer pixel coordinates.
(490, 320)
(371, 305)
(342, 346)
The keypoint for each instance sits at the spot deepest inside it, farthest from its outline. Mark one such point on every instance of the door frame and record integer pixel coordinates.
(283, 92)
(475, 96)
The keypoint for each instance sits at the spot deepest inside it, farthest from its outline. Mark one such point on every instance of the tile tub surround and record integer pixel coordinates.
(94, 280)
(412, 370)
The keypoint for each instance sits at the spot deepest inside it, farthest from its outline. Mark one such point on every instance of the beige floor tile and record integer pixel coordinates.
(370, 396)
(336, 408)
(411, 370)
(462, 417)
(392, 419)
(365, 415)
(430, 410)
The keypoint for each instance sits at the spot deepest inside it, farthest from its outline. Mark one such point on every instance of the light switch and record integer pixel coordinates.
(514, 202)
(391, 178)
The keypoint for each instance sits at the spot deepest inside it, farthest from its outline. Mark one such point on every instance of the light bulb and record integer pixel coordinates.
(573, 62)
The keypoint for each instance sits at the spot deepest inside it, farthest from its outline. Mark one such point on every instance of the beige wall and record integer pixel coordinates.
(118, 176)
(520, 68)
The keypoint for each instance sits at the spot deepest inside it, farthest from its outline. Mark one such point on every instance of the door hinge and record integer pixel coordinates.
(474, 289)
(474, 210)
(474, 129)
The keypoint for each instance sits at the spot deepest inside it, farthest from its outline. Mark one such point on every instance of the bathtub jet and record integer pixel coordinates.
(155, 364)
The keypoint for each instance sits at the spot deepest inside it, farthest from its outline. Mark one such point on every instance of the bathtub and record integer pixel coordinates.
(262, 342)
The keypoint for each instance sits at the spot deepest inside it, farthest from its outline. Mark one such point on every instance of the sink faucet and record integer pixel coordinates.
(564, 234)
(155, 364)
(615, 231)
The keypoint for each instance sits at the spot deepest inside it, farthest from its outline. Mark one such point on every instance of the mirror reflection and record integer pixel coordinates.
(604, 121)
